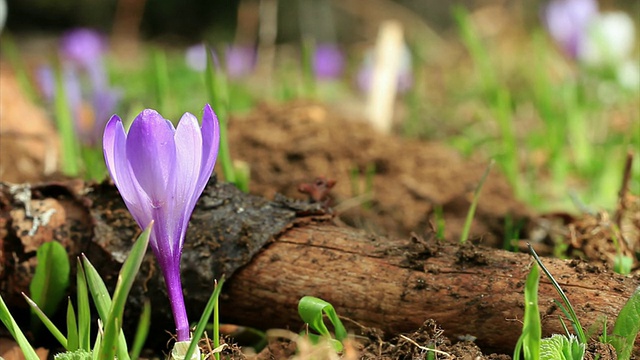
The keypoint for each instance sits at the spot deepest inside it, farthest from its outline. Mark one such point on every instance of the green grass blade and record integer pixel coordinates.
(102, 301)
(126, 277)
(72, 328)
(64, 122)
(627, 327)
(51, 278)
(142, 331)
(47, 323)
(572, 314)
(204, 319)
(161, 78)
(14, 330)
(84, 311)
(218, 91)
(474, 204)
(532, 328)
(9, 48)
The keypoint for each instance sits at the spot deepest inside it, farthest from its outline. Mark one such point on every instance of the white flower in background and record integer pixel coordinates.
(610, 40)
(3, 14)
(628, 74)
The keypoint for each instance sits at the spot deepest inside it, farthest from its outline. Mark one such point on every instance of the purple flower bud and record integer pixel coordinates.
(161, 172)
(328, 62)
(568, 21)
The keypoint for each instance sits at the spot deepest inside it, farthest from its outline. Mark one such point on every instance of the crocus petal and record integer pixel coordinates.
(188, 163)
(151, 152)
(210, 144)
(114, 145)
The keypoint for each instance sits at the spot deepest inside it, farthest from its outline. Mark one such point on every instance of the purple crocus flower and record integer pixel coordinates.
(161, 172)
(568, 22)
(239, 60)
(85, 48)
(328, 62)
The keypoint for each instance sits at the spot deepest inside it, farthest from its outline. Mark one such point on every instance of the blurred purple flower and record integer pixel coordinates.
(161, 172)
(405, 75)
(85, 48)
(88, 94)
(328, 62)
(196, 57)
(240, 60)
(89, 115)
(568, 21)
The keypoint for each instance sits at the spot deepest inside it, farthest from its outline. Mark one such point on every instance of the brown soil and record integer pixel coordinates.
(286, 146)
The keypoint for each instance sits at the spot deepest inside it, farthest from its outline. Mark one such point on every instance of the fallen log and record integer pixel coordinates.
(274, 252)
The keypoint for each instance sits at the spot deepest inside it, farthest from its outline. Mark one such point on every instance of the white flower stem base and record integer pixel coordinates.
(180, 350)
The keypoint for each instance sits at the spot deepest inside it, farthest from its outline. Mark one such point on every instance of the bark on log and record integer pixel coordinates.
(279, 251)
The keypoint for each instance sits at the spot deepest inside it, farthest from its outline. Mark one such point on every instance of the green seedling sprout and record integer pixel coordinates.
(567, 308)
(438, 213)
(530, 338)
(472, 209)
(311, 310)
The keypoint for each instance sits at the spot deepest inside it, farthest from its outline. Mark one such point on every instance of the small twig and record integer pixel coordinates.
(624, 188)
(424, 347)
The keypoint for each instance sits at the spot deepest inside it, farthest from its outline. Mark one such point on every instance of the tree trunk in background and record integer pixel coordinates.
(275, 252)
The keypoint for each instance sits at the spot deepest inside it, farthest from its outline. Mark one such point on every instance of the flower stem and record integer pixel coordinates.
(174, 290)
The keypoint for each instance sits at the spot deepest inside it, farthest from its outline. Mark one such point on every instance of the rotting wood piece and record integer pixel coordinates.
(226, 230)
(395, 285)
(392, 284)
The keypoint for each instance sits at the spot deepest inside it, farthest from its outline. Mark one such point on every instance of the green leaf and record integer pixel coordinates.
(204, 319)
(51, 278)
(126, 277)
(102, 301)
(47, 323)
(14, 330)
(627, 327)
(79, 354)
(311, 311)
(72, 328)
(144, 323)
(84, 312)
(531, 329)
(560, 347)
(569, 308)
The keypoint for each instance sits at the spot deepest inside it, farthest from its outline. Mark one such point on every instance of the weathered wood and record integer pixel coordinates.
(277, 252)
(396, 284)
